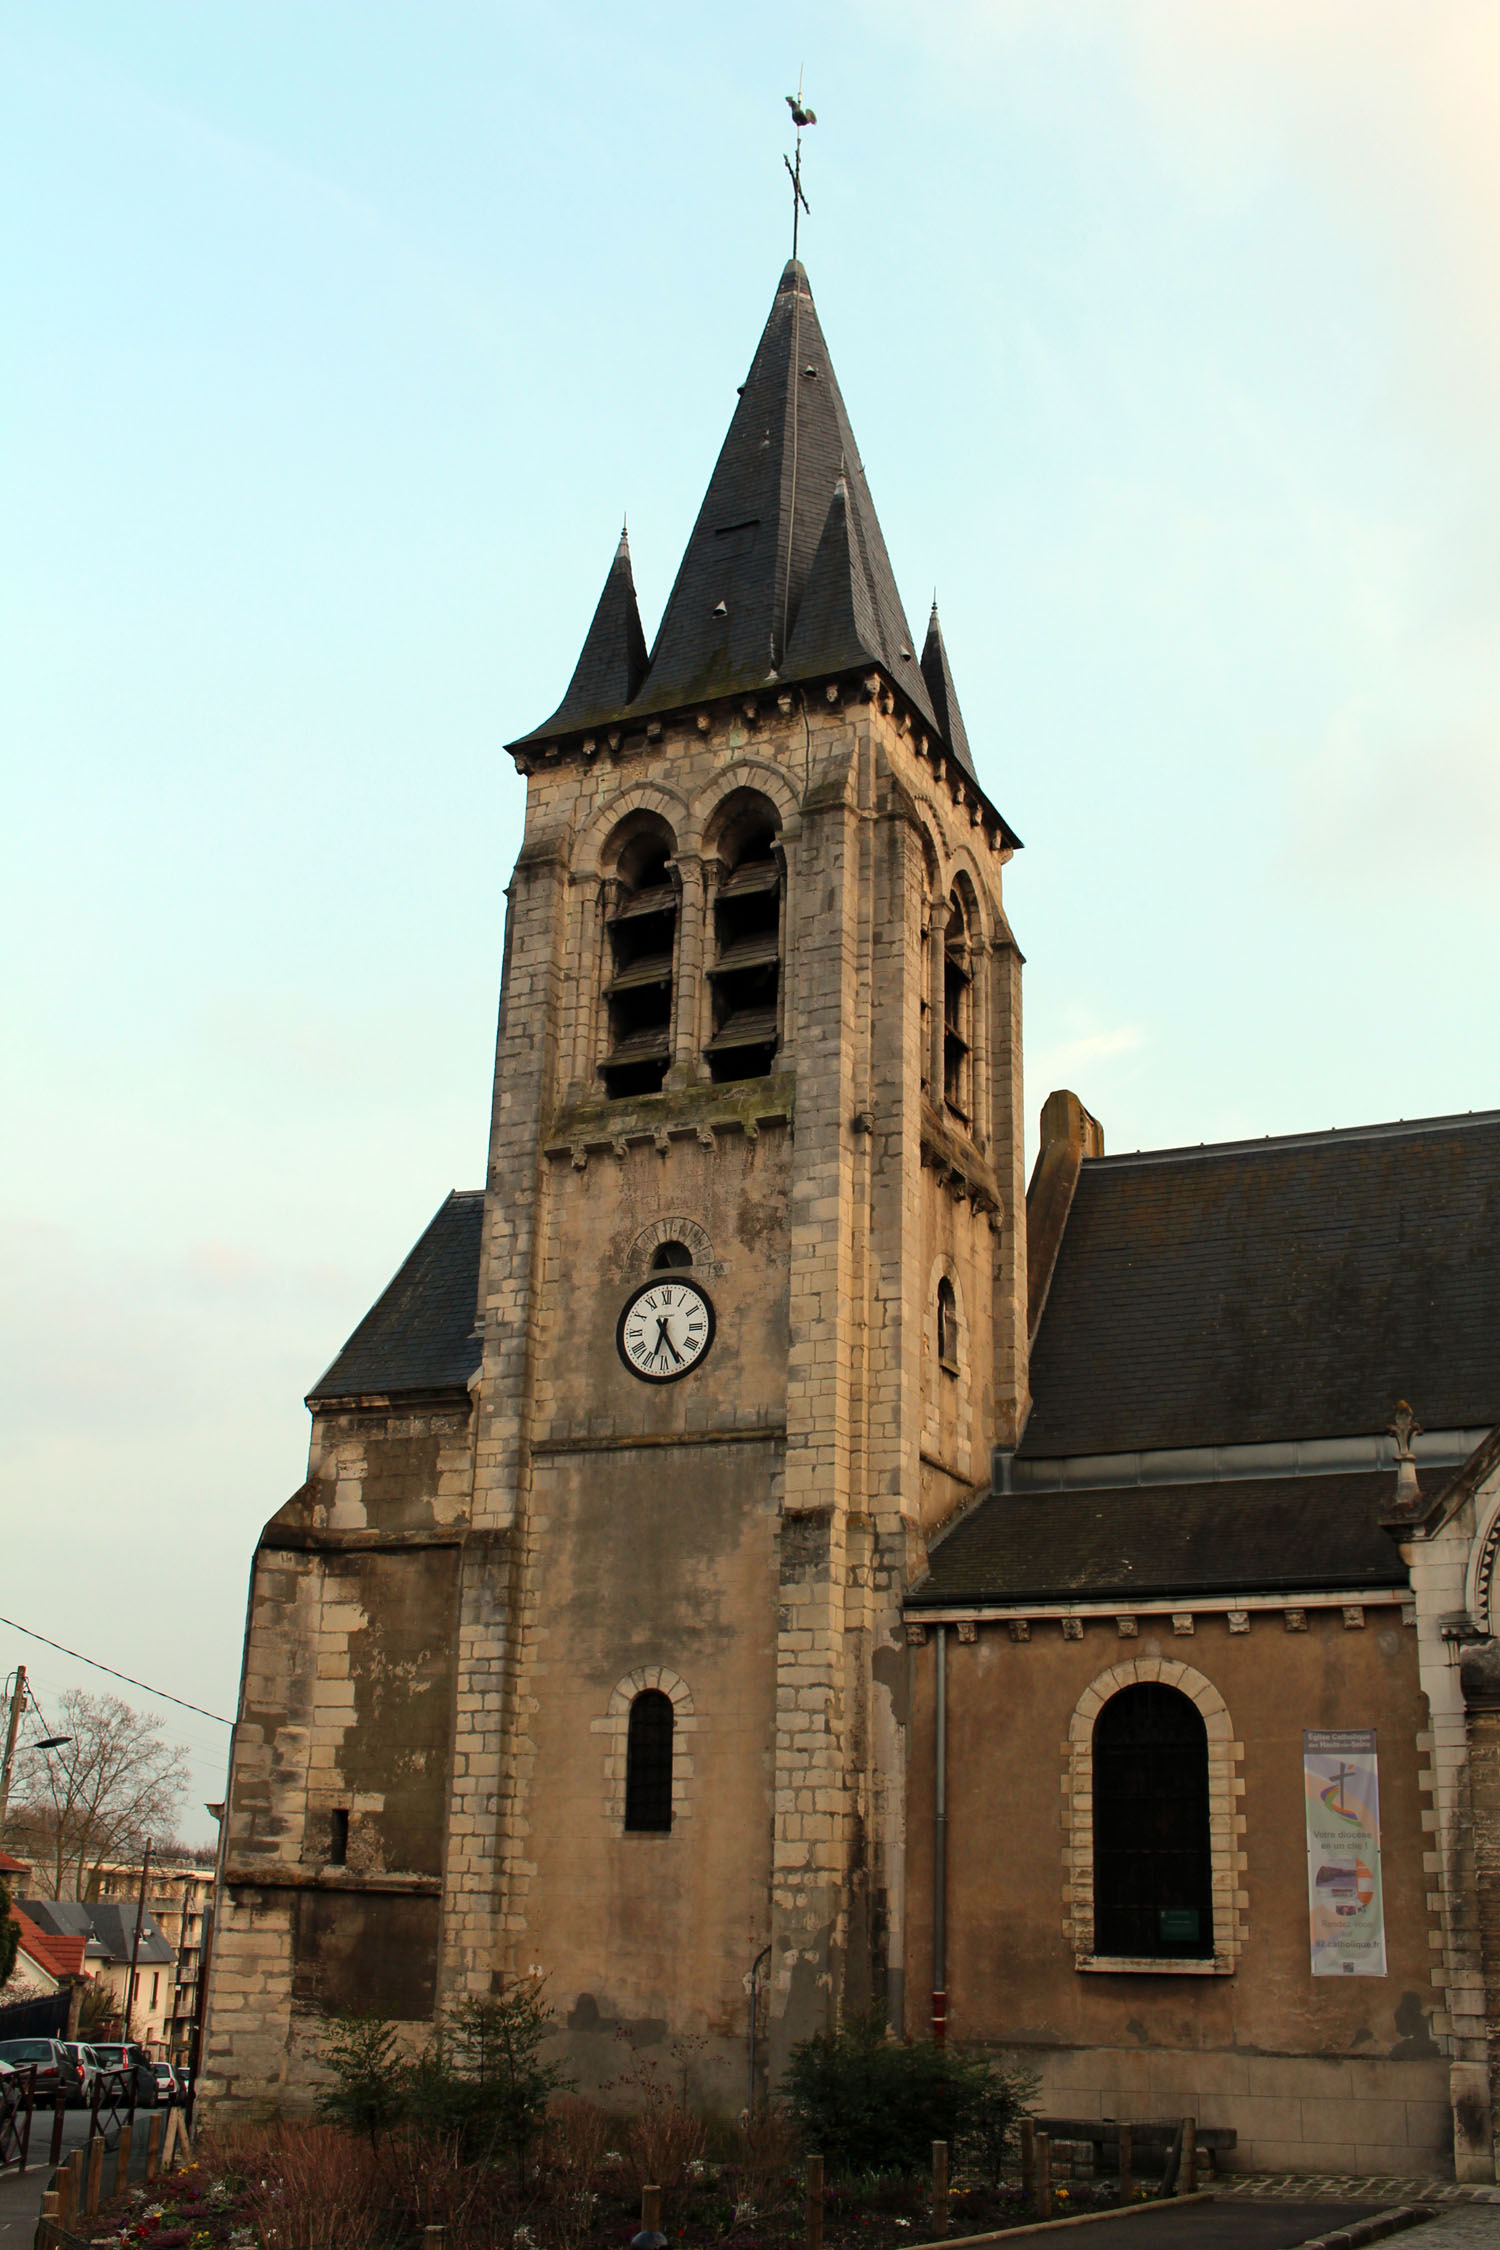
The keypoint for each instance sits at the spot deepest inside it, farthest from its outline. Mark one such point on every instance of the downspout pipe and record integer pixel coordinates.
(940, 1842)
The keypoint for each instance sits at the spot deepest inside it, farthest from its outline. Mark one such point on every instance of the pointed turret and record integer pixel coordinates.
(939, 678)
(731, 620)
(612, 664)
(837, 625)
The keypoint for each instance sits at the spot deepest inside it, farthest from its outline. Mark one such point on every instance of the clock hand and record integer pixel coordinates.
(664, 1340)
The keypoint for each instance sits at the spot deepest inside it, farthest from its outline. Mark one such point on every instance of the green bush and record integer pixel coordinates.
(868, 2103)
(1006, 2094)
(368, 2094)
(483, 2080)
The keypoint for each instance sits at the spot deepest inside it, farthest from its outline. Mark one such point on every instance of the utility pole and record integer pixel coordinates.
(140, 1916)
(17, 1707)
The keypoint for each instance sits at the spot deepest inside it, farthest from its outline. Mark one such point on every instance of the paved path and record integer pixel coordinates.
(21, 2192)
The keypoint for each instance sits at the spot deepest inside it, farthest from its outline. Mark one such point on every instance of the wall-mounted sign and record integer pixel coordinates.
(1345, 1907)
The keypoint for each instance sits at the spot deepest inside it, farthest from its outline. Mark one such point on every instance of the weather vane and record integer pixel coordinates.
(800, 116)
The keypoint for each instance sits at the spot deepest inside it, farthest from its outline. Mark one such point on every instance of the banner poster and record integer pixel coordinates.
(1345, 1906)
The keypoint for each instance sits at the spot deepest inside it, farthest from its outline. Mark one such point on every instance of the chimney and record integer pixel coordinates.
(1069, 1134)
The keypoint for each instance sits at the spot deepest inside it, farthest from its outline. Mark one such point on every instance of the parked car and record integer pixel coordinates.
(117, 2055)
(56, 2070)
(88, 2062)
(167, 2087)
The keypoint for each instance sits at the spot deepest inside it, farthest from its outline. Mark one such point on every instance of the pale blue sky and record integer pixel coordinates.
(340, 336)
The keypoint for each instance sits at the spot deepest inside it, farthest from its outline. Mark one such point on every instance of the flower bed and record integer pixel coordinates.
(319, 2187)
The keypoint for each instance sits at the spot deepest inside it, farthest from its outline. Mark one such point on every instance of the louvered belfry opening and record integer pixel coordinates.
(648, 1764)
(642, 928)
(745, 974)
(957, 1013)
(1153, 1895)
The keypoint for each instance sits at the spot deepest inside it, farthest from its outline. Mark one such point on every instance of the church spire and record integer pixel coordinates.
(939, 678)
(731, 620)
(612, 663)
(785, 576)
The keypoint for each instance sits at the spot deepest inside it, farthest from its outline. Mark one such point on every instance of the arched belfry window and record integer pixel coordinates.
(1153, 1895)
(947, 1326)
(958, 1013)
(670, 1257)
(745, 972)
(648, 1764)
(642, 927)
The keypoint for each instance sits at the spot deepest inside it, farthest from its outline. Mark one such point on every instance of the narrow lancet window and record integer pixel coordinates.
(639, 972)
(947, 1326)
(957, 1015)
(648, 1764)
(745, 974)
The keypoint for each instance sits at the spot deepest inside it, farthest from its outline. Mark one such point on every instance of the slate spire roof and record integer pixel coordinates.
(612, 664)
(785, 576)
(939, 678)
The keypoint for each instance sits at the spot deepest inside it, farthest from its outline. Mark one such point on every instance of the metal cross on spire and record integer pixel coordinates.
(800, 116)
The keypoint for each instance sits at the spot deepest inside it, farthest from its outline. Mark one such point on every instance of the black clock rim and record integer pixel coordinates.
(634, 1299)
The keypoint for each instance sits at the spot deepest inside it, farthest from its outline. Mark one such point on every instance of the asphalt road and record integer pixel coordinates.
(1223, 2224)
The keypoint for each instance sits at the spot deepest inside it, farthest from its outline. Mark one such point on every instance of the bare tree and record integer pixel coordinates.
(117, 1782)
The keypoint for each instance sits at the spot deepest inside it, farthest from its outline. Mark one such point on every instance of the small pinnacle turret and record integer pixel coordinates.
(612, 664)
(939, 678)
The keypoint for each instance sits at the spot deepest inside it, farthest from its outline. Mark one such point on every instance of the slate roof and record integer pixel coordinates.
(106, 1927)
(420, 1333)
(938, 674)
(1277, 1535)
(1262, 1290)
(786, 574)
(612, 665)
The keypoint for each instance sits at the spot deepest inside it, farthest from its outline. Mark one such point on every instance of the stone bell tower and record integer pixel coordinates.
(760, 1030)
(751, 1301)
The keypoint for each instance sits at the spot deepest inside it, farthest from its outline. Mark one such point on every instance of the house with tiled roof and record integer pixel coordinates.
(762, 1560)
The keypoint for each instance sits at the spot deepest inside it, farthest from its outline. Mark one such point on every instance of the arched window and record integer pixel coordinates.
(947, 1326)
(638, 975)
(648, 1764)
(1153, 1892)
(745, 973)
(958, 1008)
(670, 1256)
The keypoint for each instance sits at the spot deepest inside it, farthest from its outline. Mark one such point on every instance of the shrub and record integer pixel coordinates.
(367, 2095)
(315, 2188)
(483, 2081)
(869, 2104)
(1005, 2094)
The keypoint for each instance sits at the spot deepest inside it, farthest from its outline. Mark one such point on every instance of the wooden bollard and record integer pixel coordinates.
(65, 2187)
(153, 2146)
(1187, 2180)
(813, 2223)
(1028, 2158)
(433, 2238)
(1044, 2175)
(95, 2176)
(651, 2210)
(1127, 2164)
(940, 2187)
(50, 2230)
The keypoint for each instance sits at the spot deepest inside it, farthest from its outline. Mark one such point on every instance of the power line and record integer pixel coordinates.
(144, 1685)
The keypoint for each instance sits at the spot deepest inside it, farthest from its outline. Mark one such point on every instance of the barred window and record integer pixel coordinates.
(648, 1764)
(1153, 1894)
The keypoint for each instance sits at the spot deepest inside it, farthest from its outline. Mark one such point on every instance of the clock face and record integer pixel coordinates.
(665, 1329)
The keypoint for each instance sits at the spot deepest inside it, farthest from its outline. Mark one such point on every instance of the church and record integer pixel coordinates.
(763, 1560)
